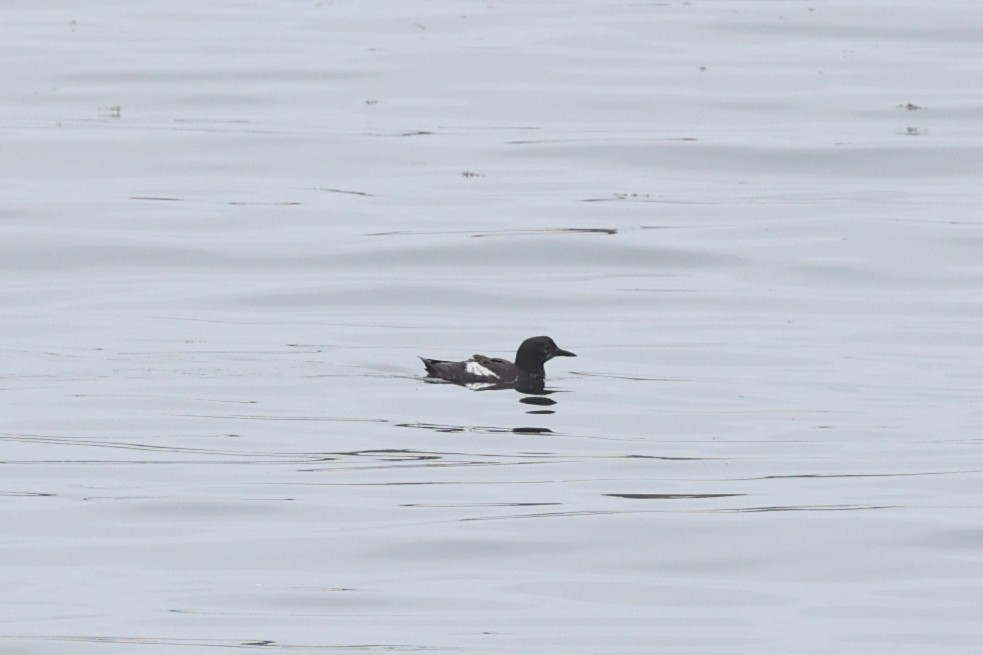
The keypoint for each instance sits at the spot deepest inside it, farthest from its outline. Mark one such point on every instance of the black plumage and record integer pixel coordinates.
(525, 371)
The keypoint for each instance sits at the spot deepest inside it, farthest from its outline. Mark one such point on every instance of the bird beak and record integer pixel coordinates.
(560, 352)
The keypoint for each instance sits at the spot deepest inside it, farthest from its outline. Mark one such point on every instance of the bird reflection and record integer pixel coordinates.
(533, 390)
(537, 400)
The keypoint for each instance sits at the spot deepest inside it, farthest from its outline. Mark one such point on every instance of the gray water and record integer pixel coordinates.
(228, 230)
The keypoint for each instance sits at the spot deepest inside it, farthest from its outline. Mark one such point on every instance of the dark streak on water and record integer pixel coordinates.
(671, 496)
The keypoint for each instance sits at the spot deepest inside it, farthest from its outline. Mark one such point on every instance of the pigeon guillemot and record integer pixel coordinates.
(500, 373)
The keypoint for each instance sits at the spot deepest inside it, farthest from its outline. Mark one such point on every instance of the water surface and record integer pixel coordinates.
(228, 232)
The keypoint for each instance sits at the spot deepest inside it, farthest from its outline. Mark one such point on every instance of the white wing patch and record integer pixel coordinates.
(474, 368)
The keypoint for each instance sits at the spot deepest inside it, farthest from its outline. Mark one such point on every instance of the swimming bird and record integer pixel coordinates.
(492, 372)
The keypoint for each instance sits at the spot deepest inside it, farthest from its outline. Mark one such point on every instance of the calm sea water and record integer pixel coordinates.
(229, 230)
